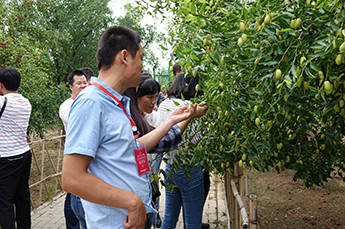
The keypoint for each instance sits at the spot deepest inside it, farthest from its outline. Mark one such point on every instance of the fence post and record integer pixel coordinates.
(236, 189)
(42, 170)
(253, 213)
(231, 201)
(62, 145)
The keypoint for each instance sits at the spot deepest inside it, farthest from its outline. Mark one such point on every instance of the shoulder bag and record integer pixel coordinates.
(3, 107)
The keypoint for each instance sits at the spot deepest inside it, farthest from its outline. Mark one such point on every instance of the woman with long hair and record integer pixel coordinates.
(143, 100)
(187, 192)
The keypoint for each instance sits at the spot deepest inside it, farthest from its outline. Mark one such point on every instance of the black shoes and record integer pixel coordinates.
(205, 226)
(158, 221)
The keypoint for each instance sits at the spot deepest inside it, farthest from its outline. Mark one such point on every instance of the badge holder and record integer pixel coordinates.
(141, 159)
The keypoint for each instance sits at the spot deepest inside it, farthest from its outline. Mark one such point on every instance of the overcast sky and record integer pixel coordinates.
(118, 9)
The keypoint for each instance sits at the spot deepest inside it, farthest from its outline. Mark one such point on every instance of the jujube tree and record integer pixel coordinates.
(273, 75)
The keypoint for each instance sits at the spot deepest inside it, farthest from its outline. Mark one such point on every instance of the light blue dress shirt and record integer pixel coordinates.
(99, 128)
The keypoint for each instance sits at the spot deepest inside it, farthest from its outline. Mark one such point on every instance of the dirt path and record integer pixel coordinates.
(283, 203)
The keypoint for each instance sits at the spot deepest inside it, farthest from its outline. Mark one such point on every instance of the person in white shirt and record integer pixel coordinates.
(77, 81)
(15, 154)
(74, 213)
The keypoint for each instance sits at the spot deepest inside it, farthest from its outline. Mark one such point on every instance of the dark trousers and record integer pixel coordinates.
(207, 183)
(72, 221)
(14, 191)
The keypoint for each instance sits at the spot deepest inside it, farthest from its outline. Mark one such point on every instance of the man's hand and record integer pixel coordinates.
(136, 218)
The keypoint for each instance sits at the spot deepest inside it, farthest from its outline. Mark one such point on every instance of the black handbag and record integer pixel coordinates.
(155, 191)
(3, 107)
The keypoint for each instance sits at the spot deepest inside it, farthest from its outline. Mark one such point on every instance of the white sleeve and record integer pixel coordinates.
(63, 113)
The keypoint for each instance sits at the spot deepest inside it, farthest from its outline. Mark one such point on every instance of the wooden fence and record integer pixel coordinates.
(241, 207)
(45, 175)
(45, 182)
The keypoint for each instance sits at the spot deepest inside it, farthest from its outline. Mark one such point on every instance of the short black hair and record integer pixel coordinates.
(147, 85)
(75, 73)
(87, 72)
(113, 40)
(10, 78)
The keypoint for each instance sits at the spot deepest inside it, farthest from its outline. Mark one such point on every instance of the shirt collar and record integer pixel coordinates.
(124, 99)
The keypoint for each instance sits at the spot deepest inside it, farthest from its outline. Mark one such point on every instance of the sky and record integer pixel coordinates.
(118, 10)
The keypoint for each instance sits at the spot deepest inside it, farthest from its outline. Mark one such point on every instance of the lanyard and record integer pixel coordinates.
(72, 98)
(134, 128)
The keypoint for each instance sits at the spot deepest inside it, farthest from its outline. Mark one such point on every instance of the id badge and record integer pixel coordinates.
(141, 159)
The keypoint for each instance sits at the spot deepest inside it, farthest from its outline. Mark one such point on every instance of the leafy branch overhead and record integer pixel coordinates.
(273, 75)
(133, 19)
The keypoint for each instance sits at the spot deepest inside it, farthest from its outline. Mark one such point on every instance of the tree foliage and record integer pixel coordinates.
(67, 30)
(259, 118)
(45, 41)
(133, 19)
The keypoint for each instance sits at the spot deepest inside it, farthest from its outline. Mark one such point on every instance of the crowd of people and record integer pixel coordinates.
(119, 126)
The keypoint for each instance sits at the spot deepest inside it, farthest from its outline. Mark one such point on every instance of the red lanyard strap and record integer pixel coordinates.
(134, 128)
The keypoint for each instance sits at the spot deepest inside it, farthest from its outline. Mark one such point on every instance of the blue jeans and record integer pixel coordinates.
(78, 210)
(72, 221)
(188, 193)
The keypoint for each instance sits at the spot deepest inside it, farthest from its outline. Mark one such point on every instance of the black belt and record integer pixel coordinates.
(15, 156)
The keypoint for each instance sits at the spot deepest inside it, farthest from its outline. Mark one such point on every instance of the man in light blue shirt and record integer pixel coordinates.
(99, 163)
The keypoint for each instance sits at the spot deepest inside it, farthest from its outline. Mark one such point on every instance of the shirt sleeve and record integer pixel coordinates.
(84, 128)
(169, 142)
(63, 113)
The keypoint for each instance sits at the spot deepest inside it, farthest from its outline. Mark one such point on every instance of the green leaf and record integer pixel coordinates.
(283, 22)
(202, 8)
(176, 103)
(293, 70)
(186, 50)
(194, 57)
(287, 81)
(319, 54)
(252, 115)
(314, 67)
(193, 8)
(245, 14)
(270, 62)
(280, 118)
(319, 2)
(182, 97)
(163, 47)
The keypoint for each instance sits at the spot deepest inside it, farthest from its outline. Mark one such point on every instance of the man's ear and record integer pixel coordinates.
(70, 87)
(123, 56)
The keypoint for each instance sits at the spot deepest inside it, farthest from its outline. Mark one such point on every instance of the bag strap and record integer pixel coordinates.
(3, 107)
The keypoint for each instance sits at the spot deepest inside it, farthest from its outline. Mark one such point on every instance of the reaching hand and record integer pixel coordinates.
(201, 109)
(182, 113)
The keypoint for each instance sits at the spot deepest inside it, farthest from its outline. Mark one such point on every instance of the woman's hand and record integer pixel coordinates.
(201, 109)
(183, 113)
(197, 110)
